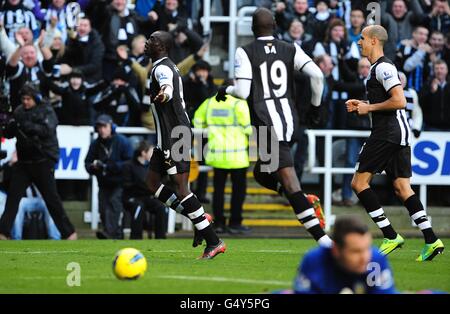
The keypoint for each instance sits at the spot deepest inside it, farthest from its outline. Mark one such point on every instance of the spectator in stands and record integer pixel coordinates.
(120, 26)
(57, 46)
(357, 21)
(439, 17)
(137, 197)
(75, 104)
(137, 50)
(341, 51)
(57, 14)
(436, 100)
(169, 16)
(299, 9)
(120, 99)
(322, 19)
(198, 85)
(326, 65)
(105, 160)
(413, 55)
(413, 109)
(296, 34)
(15, 15)
(400, 23)
(23, 66)
(437, 43)
(84, 52)
(9, 46)
(228, 124)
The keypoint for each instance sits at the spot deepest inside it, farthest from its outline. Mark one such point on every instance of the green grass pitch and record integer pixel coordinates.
(249, 266)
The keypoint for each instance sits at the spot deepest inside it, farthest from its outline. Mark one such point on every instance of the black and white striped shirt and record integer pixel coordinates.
(389, 125)
(13, 20)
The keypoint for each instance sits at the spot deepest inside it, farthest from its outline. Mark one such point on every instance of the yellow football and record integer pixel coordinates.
(129, 264)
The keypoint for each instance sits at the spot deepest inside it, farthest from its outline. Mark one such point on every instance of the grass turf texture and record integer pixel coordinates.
(249, 266)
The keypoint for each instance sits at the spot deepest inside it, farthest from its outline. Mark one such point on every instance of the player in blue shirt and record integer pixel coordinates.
(351, 265)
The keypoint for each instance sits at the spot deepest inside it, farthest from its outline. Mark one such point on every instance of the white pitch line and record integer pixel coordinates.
(37, 252)
(235, 280)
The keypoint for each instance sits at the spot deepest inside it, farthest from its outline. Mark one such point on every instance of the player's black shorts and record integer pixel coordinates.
(279, 158)
(378, 155)
(163, 163)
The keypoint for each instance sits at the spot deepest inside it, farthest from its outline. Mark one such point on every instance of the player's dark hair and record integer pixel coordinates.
(345, 225)
(263, 22)
(166, 39)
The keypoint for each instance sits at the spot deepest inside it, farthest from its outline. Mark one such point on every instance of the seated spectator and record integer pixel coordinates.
(413, 55)
(296, 34)
(75, 108)
(413, 110)
(357, 21)
(345, 267)
(137, 197)
(84, 52)
(23, 66)
(120, 99)
(105, 159)
(435, 100)
(15, 15)
(439, 17)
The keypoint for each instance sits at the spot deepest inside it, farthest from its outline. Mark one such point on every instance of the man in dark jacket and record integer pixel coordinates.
(84, 52)
(105, 160)
(137, 197)
(436, 100)
(34, 126)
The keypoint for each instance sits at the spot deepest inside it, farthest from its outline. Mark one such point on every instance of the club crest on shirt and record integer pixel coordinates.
(387, 75)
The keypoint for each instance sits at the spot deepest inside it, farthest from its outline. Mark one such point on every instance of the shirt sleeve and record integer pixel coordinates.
(242, 65)
(300, 58)
(387, 75)
(164, 75)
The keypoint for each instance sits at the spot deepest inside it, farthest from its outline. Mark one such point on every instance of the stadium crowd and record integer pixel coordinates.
(90, 66)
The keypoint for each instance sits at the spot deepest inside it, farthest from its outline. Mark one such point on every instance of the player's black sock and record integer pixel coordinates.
(418, 214)
(370, 202)
(168, 197)
(195, 212)
(305, 214)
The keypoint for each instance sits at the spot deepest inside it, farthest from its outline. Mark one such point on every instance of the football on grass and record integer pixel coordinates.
(129, 264)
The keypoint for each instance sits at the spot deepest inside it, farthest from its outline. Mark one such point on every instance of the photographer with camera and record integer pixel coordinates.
(33, 123)
(105, 159)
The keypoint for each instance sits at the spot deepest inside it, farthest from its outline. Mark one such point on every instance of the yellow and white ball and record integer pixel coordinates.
(129, 264)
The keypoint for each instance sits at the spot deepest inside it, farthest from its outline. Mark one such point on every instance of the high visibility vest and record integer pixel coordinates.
(228, 124)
